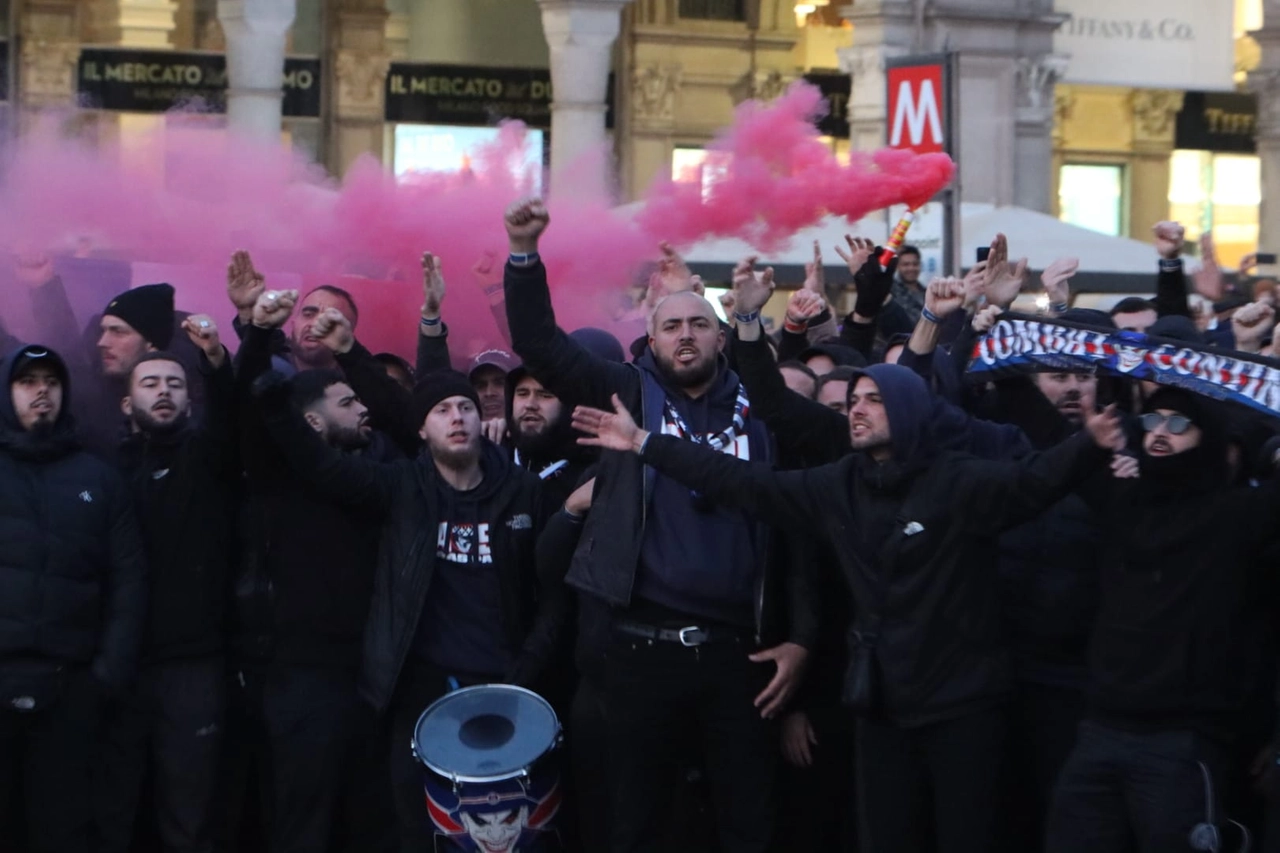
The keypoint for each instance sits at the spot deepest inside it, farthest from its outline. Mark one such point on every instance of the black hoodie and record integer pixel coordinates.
(72, 571)
(555, 457)
(915, 537)
(1180, 626)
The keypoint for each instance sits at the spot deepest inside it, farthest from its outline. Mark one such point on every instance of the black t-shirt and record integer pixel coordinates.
(461, 624)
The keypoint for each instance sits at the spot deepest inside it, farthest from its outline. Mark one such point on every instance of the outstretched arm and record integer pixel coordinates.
(799, 498)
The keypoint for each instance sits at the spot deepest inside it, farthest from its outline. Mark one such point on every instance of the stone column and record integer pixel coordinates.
(129, 23)
(580, 34)
(1265, 82)
(50, 33)
(256, 31)
(1034, 123)
(1155, 118)
(359, 59)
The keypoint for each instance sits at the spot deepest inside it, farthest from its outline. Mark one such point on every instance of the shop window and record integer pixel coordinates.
(1091, 196)
(448, 148)
(1218, 194)
(714, 10)
(699, 166)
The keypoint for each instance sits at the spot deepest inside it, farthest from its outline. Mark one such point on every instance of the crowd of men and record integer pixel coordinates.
(791, 590)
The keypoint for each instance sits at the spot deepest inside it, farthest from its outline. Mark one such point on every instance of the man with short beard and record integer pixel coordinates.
(318, 556)
(184, 478)
(456, 589)
(676, 599)
(72, 602)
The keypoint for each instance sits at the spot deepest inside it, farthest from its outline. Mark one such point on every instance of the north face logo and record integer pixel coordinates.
(86, 497)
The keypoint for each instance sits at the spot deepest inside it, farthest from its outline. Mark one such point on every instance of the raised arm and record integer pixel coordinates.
(798, 498)
(557, 361)
(269, 313)
(343, 478)
(1001, 496)
(1171, 284)
(389, 404)
(218, 433)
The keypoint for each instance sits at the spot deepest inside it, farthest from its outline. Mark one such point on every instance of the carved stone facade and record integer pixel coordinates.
(362, 79)
(50, 47)
(1154, 114)
(131, 23)
(653, 95)
(687, 76)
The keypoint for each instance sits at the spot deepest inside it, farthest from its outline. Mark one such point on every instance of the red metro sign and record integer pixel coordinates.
(919, 104)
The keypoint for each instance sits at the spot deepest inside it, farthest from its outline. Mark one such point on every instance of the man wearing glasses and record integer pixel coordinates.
(1178, 645)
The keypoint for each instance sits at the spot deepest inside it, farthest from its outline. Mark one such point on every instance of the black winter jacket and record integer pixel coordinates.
(185, 485)
(73, 585)
(607, 559)
(926, 532)
(404, 496)
(311, 557)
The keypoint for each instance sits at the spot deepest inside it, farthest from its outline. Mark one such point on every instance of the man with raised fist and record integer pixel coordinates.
(184, 478)
(678, 600)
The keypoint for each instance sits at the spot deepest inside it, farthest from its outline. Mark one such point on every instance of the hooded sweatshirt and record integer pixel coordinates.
(699, 558)
(464, 601)
(72, 572)
(555, 457)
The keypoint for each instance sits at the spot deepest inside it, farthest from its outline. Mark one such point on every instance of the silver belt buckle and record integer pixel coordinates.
(692, 636)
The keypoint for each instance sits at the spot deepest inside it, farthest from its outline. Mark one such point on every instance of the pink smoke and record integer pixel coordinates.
(178, 204)
(783, 178)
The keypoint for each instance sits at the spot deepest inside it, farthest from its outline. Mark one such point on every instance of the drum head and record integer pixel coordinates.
(485, 733)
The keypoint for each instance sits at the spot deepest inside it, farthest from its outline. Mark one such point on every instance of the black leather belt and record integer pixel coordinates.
(689, 637)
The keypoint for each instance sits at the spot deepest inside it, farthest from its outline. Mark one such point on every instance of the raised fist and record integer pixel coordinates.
(803, 306)
(203, 332)
(273, 308)
(333, 330)
(525, 221)
(34, 270)
(944, 297)
(1169, 237)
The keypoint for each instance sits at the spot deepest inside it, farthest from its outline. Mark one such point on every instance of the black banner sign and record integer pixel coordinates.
(154, 81)
(468, 95)
(472, 95)
(1218, 121)
(837, 89)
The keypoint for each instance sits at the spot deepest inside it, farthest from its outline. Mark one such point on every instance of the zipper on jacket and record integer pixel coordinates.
(644, 499)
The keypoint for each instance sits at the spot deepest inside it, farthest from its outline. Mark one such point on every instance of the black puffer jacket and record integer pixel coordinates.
(185, 485)
(72, 571)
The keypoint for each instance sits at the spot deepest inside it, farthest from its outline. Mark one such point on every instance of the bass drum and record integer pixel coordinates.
(491, 781)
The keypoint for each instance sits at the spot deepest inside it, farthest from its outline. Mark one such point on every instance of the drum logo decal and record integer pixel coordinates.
(507, 818)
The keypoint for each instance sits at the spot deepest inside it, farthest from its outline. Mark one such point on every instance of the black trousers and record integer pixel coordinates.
(1123, 791)
(934, 788)
(1044, 721)
(243, 800)
(46, 766)
(662, 700)
(818, 802)
(168, 727)
(328, 789)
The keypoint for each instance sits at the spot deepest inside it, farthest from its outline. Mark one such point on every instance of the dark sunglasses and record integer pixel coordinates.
(1177, 424)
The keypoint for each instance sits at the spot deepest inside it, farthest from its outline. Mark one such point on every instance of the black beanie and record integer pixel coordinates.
(149, 310)
(438, 386)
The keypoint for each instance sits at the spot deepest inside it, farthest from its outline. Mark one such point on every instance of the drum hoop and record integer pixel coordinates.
(459, 779)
